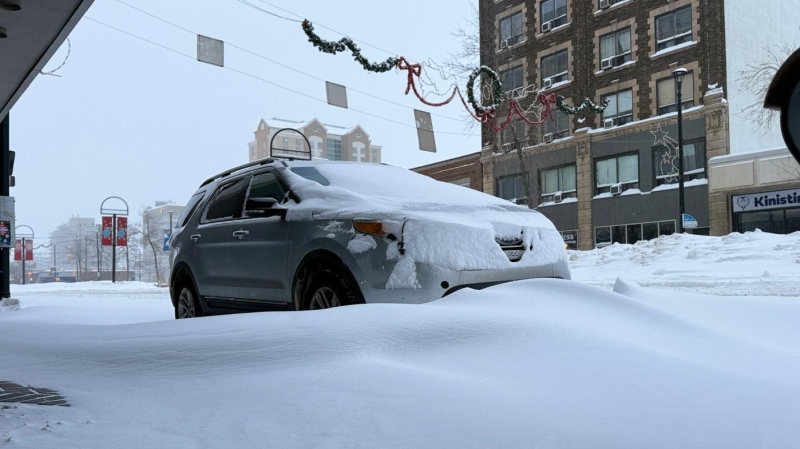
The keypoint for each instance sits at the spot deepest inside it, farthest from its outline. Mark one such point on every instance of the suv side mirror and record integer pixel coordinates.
(784, 95)
(263, 207)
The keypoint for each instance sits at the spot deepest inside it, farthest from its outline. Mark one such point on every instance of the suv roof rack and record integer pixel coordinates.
(264, 161)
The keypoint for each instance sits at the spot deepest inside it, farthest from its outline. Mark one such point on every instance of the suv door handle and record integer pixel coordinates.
(195, 237)
(241, 233)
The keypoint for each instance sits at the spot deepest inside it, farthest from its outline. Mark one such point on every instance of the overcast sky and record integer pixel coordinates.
(132, 119)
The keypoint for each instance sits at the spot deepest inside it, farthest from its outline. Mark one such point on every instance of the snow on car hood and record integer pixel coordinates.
(445, 224)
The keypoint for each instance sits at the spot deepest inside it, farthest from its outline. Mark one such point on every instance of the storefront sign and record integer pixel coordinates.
(571, 239)
(780, 199)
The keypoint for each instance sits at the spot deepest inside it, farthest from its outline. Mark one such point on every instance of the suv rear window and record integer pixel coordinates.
(311, 174)
(188, 211)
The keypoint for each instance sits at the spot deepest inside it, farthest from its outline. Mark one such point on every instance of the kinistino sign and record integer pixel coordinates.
(780, 199)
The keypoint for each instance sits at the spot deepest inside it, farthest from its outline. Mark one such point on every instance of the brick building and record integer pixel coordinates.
(612, 176)
(465, 171)
(332, 142)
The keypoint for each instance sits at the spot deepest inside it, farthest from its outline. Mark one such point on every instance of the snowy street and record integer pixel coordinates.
(538, 363)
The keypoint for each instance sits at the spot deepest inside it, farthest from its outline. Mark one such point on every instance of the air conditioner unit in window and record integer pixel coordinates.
(547, 26)
(548, 137)
(558, 197)
(605, 4)
(503, 44)
(522, 201)
(616, 189)
(609, 123)
(547, 83)
(606, 63)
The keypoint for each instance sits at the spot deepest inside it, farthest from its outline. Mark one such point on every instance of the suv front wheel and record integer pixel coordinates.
(327, 287)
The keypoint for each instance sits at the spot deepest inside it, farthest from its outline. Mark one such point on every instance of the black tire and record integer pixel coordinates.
(327, 287)
(187, 304)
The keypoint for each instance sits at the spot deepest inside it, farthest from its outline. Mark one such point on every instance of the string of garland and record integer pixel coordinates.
(587, 102)
(343, 44)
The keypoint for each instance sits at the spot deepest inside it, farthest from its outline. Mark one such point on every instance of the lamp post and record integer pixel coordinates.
(679, 74)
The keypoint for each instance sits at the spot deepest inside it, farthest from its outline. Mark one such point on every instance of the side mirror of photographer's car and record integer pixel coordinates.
(784, 95)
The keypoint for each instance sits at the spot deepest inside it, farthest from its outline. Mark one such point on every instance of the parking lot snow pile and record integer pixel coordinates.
(753, 263)
(531, 363)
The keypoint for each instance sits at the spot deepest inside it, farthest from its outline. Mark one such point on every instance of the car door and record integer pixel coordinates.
(260, 244)
(214, 271)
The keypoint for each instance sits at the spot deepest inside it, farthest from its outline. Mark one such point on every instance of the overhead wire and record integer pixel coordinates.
(272, 83)
(286, 66)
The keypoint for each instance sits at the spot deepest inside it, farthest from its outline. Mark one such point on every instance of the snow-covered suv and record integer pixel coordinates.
(297, 235)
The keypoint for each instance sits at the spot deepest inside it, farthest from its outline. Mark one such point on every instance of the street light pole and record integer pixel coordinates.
(679, 74)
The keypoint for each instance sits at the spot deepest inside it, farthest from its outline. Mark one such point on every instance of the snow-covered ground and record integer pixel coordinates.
(588, 363)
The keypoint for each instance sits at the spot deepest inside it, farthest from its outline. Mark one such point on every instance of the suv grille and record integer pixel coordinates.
(513, 247)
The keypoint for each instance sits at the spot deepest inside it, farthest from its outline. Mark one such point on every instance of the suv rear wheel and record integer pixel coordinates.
(327, 287)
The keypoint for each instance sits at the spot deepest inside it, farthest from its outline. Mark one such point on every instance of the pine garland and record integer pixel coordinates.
(572, 110)
(497, 89)
(346, 44)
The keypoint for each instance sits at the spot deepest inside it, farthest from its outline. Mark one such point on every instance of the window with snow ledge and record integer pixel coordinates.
(674, 28)
(558, 183)
(511, 30)
(622, 170)
(615, 48)
(665, 91)
(665, 162)
(555, 69)
(553, 14)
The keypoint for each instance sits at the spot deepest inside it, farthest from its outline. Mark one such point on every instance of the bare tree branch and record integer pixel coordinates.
(756, 78)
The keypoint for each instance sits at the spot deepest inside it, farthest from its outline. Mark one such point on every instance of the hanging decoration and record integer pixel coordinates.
(346, 44)
(587, 102)
(539, 109)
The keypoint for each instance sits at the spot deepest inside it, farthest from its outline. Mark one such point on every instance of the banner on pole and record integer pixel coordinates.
(28, 249)
(106, 231)
(5, 234)
(167, 233)
(122, 231)
(18, 250)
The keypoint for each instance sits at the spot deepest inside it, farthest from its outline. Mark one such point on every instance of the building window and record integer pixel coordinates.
(511, 187)
(674, 28)
(554, 12)
(622, 170)
(620, 107)
(665, 92)
(632, 233)
(665, 162)
(615, 48)
(375, 155)
(558, 180)
(557, 127)
(514, 132)
(285, 143)
(511, 79)
(298, 144)
(554, 68)
(610, 2)
(511, 30)
(334, 149)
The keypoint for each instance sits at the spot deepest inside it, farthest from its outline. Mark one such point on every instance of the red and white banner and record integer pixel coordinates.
(18, 250)
(107, 231)
(122, 231)
(28, 249)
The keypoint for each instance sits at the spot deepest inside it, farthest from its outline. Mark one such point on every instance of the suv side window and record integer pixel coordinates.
(228, 201)
(266, 185)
